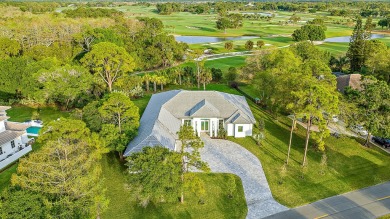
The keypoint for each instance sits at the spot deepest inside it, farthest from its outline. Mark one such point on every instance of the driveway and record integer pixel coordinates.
(228, 157)
(367, 203)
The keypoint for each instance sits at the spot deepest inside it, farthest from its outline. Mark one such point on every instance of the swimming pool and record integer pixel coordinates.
(33, 130)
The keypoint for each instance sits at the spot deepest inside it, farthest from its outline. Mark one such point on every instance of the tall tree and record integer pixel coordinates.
(147, 78)
(155, 175)
(355, 51)
(121, 112)
(314, 99)
(23, 204)
(109, 61)
(66, 130)
(205, 76)
(190, 156)
(67, 172)
(92, 117)
(66, 84)
(223, 23)
(377, 60)
(374, 107)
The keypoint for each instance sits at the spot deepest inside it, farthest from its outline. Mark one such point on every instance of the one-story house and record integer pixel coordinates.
(205, 111)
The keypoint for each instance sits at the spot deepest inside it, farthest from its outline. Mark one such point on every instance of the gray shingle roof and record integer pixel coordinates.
(162, 117)
(149, 133)
(203, 109)
(16, 126)
(7, 136)
(351, 80)
(238, 118)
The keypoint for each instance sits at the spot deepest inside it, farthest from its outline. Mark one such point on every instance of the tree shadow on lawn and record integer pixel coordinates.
(354, 170)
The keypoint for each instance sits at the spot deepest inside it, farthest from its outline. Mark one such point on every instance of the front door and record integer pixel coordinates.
(204, 125)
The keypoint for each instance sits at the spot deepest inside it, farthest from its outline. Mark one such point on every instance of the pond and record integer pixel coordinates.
(346, 39)
(208, 39)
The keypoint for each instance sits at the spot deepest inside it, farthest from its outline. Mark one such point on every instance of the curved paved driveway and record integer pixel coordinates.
(228, 157)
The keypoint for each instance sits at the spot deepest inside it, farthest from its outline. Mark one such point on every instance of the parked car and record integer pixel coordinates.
(333, 118)
(382, 141)
(358, 129)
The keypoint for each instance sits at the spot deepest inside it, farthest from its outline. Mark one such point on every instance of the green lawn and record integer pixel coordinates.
(350, 165)
(142, 102)
(24, 113)
(5, 178)
(217, 204)
(336, 49)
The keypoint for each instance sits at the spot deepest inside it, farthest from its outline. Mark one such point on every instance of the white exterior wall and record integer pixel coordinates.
(14, 157)
(213, 125)
(246, 130)
(230, 129)
(2, 126)
(7, 148)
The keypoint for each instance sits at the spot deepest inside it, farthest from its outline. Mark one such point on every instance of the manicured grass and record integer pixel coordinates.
(141, 103)
(336, 49)
(226, 63)
(24, 113)
(350, 166)
(217, 204)
(223, 64)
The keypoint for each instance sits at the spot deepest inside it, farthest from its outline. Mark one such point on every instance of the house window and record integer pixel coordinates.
(187, 122)
(13, 144)
(240, 128)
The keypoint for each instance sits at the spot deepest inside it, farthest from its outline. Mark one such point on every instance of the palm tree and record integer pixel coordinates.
(205, 76)
(146, 78)
(155, 79)
(342, 62)
(177, 72)
(162, 80)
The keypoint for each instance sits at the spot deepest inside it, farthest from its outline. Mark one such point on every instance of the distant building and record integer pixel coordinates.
(14, 142)
(349, 80)
(205, 111)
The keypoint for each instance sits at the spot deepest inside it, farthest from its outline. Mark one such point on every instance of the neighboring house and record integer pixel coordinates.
(14, 142)
(205, 111)
(350, 80)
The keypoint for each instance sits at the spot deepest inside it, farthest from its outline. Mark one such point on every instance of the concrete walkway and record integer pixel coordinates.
(228, 157)
(367, 203)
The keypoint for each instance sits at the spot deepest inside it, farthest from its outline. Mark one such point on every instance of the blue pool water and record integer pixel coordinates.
(33, 130)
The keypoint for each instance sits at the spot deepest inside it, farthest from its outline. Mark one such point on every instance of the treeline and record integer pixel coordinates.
(42, 59)
(168, 8)
(364, 8)
(34, 7)
(91, 12)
